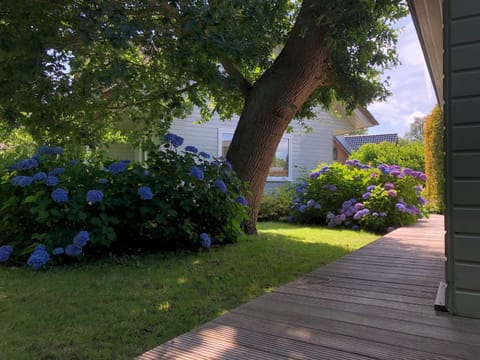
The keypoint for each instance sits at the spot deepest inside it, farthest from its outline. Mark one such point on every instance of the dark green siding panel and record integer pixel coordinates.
(465, 57)
(467, 304)
(467, 276)
(466, 138)
(465, 166)
(464, 31)
(465, 111)
(465, 84)
(466, 221)
(466, 192)
(461, 8)
(467, 248)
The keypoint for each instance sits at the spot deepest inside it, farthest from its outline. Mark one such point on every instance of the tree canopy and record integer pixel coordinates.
(70, 69)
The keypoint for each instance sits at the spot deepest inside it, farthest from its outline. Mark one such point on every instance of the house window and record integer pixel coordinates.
(280, 170)
(335, 153)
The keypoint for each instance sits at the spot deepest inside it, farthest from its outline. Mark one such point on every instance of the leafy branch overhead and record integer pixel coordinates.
(71, 69)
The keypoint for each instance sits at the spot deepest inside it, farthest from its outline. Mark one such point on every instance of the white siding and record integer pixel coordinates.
(307, 149)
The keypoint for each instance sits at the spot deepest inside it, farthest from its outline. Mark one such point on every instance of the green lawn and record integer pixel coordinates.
(122, 307)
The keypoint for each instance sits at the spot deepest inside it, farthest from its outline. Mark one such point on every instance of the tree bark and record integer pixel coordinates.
(272, 102)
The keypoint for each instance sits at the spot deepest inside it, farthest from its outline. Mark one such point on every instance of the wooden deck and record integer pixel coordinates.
(375, 303)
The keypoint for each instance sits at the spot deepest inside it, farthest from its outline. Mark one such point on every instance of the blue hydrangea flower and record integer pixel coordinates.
(204, 155)
(302, 208)
(205, 241)
(332, 188)
(49, 150)
(145, 193)
(118, 167)
(401, 207)
(5, 252)
(72, 250)
(39, 176)
(25, 164)
(370, 188)
(41, 247)
(197, 173)
(22, 181)
(191, 149)
(102, 181)
(317, 206)
(51, 181)
(311, 203)
(241, 200)
(58, 251)
(94, 196)
(173, 139)
(60, 195)
(38, 258)
(72, 162)
(220, 185)
(56, 171)
(81, 239)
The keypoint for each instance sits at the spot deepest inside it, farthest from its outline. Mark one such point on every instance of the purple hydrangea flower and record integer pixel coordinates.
(191, 149)
(332, 188)
(373, 175)
(81, 239)
(60, 195)
(118, 167)
(359, 206)
(314, 175)
(421, 200)
(205, 240)
(51, 181)
(38, 258)
(197, 173)
(370, 188)
(173, 139)
(241, 200)
(418, 189)
(58, 251)
(408, 171)
(72, 250)
(392, 193)
(94, 196)
(366, 196)
(395, 173)
(39, 176)
(401, 207)
(383, 214)
(204, 155)
(388, 186)
(145, 193)
(22, 181)
(422, 177)
(220, 185)
(5, 252)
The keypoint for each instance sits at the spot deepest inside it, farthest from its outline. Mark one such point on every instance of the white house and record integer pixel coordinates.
(297, 152)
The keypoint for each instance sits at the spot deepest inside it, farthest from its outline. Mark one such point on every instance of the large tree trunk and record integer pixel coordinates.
(273, 101)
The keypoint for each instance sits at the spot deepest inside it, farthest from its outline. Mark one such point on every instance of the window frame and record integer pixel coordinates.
(269, 178)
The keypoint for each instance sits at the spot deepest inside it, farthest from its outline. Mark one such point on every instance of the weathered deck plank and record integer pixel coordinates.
(375, 303)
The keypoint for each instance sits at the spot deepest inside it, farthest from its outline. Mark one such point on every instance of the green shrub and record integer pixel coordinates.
(183, 199)
(360, 196)
(410, 155)
(277, 206)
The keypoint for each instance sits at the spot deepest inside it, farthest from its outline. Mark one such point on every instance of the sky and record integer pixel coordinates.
(413, 94)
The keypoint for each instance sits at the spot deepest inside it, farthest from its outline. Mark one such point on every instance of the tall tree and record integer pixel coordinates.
(416, 129)
(73, 67)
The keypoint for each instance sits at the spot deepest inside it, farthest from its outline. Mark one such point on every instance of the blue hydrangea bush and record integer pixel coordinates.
(359, 196)
(58, 210)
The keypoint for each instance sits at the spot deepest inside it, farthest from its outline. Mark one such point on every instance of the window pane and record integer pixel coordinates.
(279, 166)
(226, 141)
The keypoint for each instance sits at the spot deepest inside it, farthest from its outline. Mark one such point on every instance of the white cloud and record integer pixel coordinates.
(410, 84)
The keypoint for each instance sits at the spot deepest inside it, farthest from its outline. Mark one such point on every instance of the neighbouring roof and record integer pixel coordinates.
(352, 143)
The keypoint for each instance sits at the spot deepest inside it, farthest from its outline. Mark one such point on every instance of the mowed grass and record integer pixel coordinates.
(121, 307)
